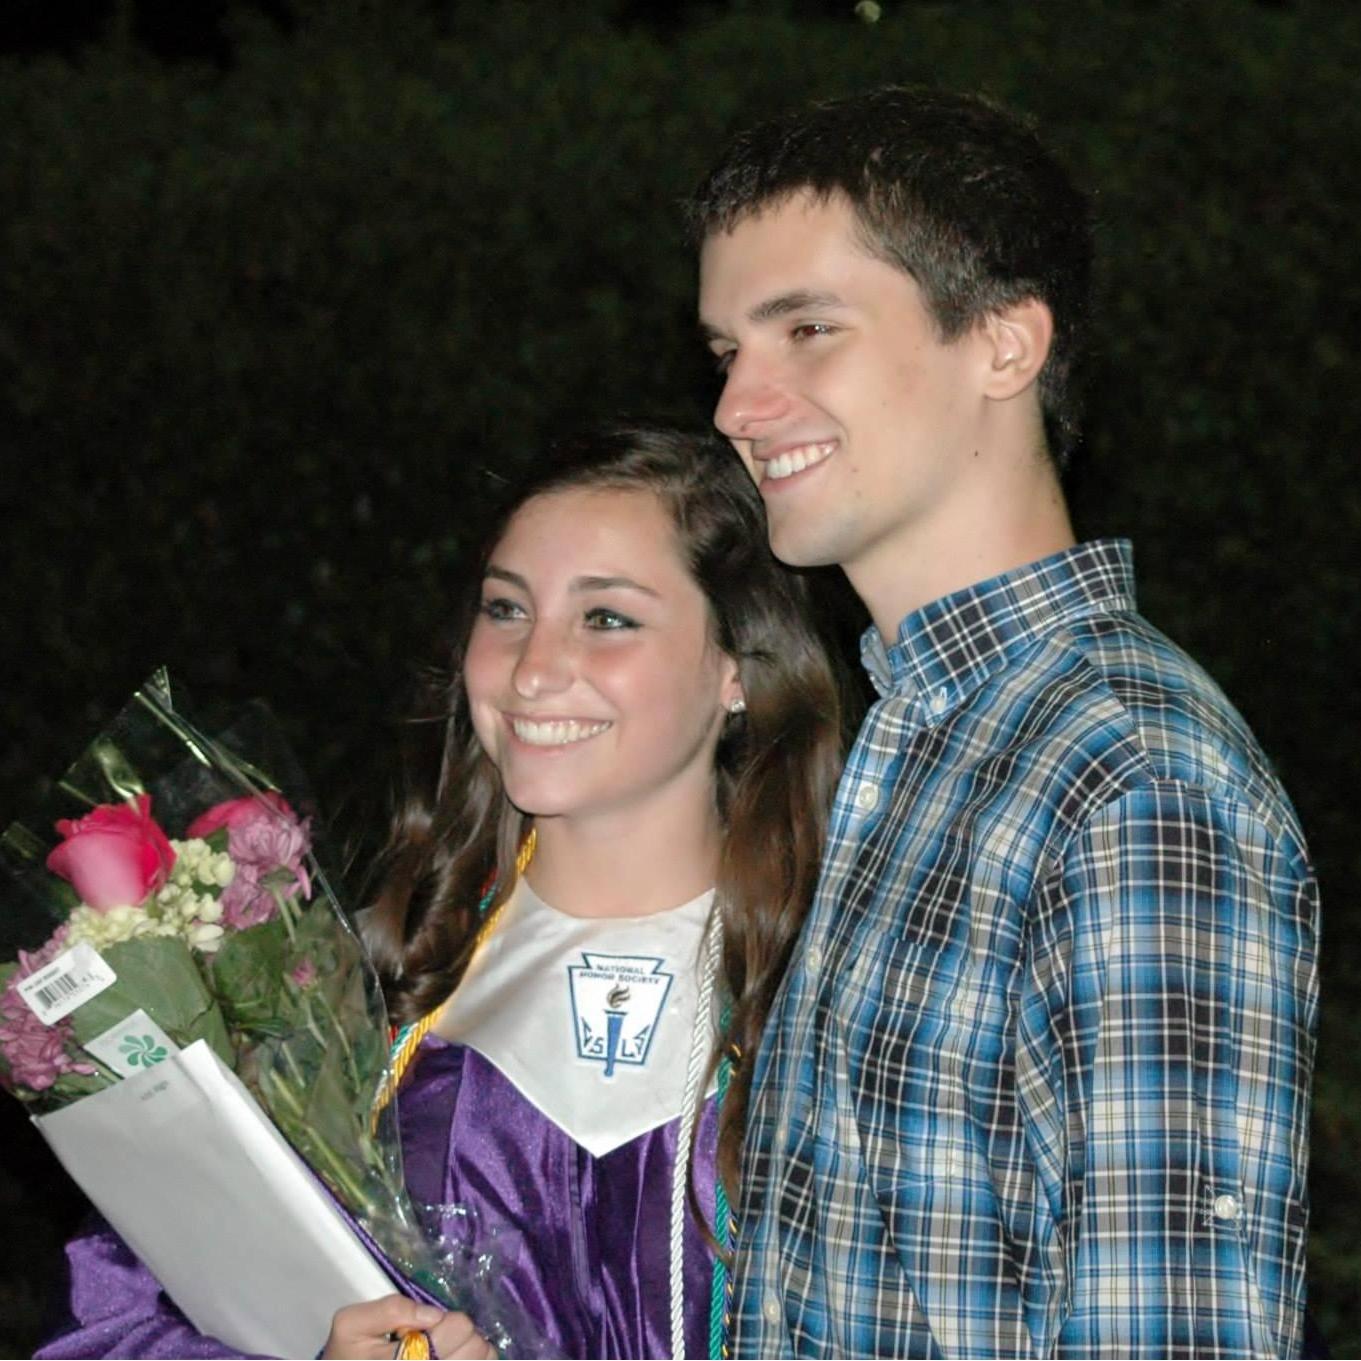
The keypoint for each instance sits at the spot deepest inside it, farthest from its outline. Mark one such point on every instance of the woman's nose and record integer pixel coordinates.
(545, 664)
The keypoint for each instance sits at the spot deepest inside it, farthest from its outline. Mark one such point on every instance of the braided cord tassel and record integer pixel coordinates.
(725, 1221)
(685, 1132)
(415, 1346)
(725, 1230)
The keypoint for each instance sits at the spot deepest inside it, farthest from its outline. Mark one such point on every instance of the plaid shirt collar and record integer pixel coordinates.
(947, 649)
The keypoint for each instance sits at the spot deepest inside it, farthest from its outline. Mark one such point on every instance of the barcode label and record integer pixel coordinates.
(68, 982)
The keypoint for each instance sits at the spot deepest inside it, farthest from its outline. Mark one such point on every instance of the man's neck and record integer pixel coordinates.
(1005, 523)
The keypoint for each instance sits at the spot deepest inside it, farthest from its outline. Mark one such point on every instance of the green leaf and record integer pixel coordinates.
(157, 974)
(247, 975)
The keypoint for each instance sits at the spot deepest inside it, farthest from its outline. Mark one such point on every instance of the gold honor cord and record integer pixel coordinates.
(409, 1038)
(415, 1345)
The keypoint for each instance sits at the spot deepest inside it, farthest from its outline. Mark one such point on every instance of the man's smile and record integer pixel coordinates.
(795, 460)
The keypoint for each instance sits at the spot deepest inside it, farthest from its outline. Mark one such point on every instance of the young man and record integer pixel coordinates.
(1038, 1080)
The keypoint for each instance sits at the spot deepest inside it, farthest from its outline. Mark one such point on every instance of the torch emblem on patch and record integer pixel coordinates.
(617, 1002)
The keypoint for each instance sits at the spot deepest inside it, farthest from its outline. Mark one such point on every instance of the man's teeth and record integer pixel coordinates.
(556, 733)
(796, 460)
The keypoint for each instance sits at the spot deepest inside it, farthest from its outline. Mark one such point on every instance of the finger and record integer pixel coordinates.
(367, 1329)
(476, 1348)
(391, 1314)
(457, 1339)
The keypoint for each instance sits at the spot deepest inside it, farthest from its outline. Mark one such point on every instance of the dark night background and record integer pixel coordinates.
(287, 286)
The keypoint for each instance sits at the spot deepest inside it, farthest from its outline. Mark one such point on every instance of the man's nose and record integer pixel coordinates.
(752, 398)
(545, 664)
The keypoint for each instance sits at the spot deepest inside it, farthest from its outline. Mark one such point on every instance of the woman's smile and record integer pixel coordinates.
(555, 732)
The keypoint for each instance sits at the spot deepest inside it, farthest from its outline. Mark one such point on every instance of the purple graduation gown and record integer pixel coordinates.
(583, 1243)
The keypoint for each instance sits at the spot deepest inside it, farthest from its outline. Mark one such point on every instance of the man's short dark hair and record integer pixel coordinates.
(949, 188)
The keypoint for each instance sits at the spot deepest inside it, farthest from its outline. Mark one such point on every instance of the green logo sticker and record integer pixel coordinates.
(132, 1046)
(142, 1050)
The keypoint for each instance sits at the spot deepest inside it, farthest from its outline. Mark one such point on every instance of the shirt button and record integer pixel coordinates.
(939, 700)
(1227, 1207)
(812, 959)
(867, 797)
(771, 1309)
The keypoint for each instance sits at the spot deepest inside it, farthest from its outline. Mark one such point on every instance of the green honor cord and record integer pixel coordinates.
(725, 1226)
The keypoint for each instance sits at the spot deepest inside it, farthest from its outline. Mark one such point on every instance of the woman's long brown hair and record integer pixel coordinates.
(776, 765)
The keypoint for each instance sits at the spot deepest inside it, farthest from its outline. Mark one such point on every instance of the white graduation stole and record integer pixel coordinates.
(591, 1018)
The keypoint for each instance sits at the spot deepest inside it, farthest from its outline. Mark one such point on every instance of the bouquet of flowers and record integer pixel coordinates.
(181, 914)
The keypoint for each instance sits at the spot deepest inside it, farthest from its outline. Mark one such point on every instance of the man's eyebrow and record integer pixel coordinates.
(797, 300)
(781, 305)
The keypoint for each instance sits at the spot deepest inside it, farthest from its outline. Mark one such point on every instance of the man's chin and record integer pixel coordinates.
(801, 550)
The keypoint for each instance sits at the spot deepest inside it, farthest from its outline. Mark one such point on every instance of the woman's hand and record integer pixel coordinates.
(369, 1330)
(456, 1339)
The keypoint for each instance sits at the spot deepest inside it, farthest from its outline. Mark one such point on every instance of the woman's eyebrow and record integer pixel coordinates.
(582, 583)
(592, 583)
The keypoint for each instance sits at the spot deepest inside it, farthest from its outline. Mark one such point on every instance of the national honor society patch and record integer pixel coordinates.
(591, 1018)
(617, 1004)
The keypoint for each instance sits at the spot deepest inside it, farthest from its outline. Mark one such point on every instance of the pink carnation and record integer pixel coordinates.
(305, 974)
(36, 1054)
(267, 843)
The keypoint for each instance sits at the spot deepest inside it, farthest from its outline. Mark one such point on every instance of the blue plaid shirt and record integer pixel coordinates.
(1037, 1082)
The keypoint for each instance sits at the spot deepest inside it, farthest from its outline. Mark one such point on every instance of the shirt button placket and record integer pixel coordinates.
(1227, 1208)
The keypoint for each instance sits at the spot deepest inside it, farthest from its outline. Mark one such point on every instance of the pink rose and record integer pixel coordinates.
(115, 856)
(239, 812)
(267, 843)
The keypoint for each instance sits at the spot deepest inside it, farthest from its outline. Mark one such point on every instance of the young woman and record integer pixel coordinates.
(592, 891)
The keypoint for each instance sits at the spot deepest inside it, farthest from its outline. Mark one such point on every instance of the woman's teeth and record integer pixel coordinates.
(556, 732)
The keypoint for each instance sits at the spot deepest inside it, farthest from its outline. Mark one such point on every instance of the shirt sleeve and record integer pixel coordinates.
(1178, 947)
(116, 1306)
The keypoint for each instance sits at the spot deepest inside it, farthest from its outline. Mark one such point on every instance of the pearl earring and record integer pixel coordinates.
(738, 706)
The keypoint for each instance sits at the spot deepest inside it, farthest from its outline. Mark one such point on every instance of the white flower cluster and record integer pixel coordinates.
(187, 906)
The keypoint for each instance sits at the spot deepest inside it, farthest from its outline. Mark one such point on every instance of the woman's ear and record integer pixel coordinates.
(730, 694)
(1018, 339)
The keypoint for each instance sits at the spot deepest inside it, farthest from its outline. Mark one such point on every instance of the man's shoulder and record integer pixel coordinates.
(1141, 707)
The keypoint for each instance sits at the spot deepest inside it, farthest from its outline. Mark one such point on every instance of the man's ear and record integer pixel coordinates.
(1018, 340)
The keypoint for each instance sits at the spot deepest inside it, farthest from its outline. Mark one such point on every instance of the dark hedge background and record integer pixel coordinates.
(286, 287)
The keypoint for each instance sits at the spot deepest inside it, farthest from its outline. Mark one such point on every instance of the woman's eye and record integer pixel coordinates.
(609, 620)
(499, 608)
